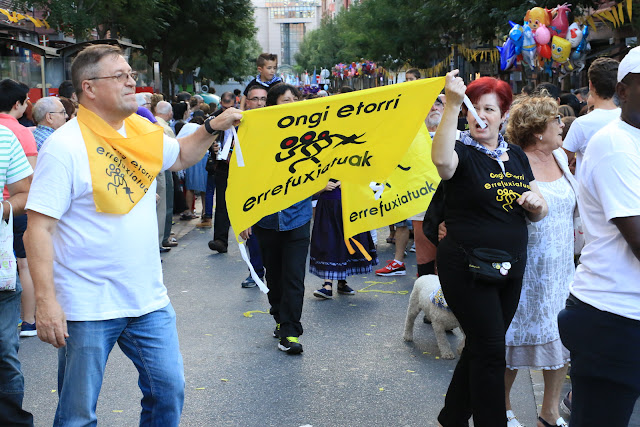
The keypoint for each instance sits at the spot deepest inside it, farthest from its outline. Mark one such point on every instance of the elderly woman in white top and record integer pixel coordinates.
(533, 340)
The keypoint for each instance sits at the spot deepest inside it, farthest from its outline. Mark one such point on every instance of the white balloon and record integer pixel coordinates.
(574, 35)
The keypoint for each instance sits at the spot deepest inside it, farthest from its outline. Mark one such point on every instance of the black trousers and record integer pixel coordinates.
(605, 364)
(285, 257)
(221, 222)
(485, 311)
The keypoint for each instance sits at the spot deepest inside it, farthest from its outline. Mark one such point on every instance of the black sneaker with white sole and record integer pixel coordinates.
(291, 345)
(345, 289)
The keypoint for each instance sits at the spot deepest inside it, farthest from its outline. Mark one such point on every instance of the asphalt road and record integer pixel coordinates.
(356, 370)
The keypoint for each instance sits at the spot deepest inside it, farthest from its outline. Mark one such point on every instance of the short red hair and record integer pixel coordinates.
(485, 85)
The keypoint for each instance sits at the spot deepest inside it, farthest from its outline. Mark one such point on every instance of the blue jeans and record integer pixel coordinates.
(208, 197)
(254, 255)
(150, 341)
(11, 379)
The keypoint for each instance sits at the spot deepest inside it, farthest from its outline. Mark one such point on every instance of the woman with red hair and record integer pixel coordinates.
(490, 193)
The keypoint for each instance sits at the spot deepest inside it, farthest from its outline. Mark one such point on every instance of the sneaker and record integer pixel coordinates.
(290, 344)
(276, 331)
(413, 248)
(170, 243)
(323, 293)
(28, 330)
(249, 283)
(218, 245)
(205, 223)
(392, 269)
(345, 289)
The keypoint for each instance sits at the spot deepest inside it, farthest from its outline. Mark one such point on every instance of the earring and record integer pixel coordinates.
(540, 137)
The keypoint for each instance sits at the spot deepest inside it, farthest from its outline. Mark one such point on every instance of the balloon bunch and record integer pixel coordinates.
(355, 69)
(546, 40)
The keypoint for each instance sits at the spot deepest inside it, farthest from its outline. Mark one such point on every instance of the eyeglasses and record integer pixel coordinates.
(120, 77)
(256, 99)
(59, 112)
(558, 118)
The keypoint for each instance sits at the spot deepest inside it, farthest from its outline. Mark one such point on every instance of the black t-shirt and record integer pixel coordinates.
(481, 208)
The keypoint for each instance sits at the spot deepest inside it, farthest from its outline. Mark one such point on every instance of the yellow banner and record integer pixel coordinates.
(290, 151)
(407, 192)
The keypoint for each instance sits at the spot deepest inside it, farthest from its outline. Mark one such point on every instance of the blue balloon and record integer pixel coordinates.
(507, 55)
(577, 53)
(326, 87)
(516, 36)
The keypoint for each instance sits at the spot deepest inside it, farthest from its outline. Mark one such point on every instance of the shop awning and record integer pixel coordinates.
(47, 52)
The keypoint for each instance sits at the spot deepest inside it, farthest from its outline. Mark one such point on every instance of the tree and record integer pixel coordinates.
(184, 33)
(395, 32)
(200, 32)
(238, 61)
(80, 17)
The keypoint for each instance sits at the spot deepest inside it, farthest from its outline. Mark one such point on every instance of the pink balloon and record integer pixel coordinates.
(542, 35)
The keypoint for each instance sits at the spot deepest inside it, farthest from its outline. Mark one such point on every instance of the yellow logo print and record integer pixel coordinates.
(508, 197)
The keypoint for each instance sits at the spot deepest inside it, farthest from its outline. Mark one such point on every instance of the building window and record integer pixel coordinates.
(292, 12)
(290, 37)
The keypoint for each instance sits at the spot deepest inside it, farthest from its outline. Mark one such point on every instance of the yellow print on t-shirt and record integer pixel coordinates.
(507, 196)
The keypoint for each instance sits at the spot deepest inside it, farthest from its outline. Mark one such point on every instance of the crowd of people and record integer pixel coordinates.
(523, 179)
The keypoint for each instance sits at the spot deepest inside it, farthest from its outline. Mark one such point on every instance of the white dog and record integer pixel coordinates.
(442, 319)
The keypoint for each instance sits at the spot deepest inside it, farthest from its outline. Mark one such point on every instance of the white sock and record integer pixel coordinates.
(399, 262)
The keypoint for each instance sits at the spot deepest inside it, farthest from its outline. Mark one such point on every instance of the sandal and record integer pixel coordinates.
(391, 240)
(560, 422)
(512, 421)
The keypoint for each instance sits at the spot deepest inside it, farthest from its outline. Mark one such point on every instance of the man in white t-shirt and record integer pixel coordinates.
(92, 242)
(601, 322)
(602, 87)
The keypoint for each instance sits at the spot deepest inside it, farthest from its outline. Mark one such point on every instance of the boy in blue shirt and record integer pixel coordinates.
(267, 65)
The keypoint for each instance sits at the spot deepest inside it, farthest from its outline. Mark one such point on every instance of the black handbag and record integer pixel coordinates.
(490, 264)
(211, 164)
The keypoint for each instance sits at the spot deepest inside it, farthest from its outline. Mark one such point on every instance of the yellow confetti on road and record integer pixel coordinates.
(437, 357)
(199, 388)
(368, 334)
(224, 379)
(381, 389)
(208, 335)
(425, 352)
(117, 410)
(410, 371)
(53, 391)
(372, 283)
(250, 313)
(352, 305)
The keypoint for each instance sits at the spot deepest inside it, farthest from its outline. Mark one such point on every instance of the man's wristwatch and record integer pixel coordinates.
(208, 127)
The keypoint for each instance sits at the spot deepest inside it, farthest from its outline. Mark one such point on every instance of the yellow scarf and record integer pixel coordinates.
(122, 169)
